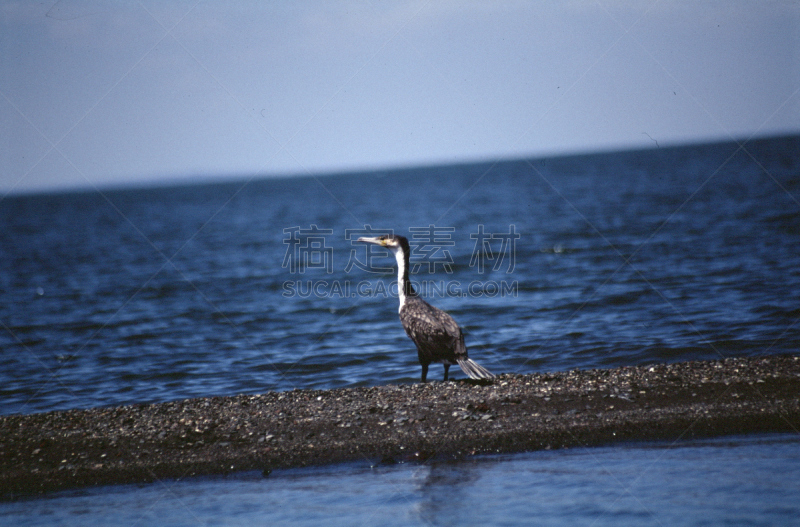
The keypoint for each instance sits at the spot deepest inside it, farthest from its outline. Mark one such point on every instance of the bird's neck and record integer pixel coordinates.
(404, 287)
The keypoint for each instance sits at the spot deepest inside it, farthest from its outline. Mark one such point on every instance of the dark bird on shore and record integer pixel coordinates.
(436, 334)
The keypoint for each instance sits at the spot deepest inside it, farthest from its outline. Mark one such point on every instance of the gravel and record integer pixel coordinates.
(396, 423)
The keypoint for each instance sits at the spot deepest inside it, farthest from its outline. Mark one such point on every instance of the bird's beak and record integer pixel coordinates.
(376, 241)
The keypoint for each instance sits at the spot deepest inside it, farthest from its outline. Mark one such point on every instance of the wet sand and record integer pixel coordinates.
(396, 423)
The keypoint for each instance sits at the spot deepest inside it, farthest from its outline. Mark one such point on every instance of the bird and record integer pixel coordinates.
(437, 336)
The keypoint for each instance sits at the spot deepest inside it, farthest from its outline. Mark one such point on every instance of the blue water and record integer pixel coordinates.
(144, 295)
(751, 480)
(147, 295)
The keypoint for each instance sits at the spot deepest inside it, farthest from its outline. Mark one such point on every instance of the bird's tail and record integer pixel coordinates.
(474, 370)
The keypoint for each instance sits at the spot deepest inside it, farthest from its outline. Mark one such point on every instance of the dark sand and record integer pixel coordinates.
(217, 435)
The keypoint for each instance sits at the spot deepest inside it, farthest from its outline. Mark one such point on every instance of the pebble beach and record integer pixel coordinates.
(396, 423)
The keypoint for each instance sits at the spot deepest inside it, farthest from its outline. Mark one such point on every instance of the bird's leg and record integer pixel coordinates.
(424, 373)
(446, 369)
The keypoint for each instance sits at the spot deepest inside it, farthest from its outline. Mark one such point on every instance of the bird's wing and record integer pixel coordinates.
(455, 333)
(419, 321)
(434, 332)
(448, 324)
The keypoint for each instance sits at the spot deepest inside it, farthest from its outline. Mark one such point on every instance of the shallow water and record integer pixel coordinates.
(753, 480)
(149, 295)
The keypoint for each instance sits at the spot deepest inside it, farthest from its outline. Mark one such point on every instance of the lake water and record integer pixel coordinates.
(143, 295)
(752, 480)
(605, 260)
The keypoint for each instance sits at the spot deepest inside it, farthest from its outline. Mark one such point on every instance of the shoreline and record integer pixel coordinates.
(396, 423)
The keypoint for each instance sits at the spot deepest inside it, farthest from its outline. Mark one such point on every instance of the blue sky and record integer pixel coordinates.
(114, 93)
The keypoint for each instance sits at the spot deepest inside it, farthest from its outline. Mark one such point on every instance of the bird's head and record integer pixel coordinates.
(392, 242)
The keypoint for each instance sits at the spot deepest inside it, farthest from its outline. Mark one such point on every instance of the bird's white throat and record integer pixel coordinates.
(401, 270)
